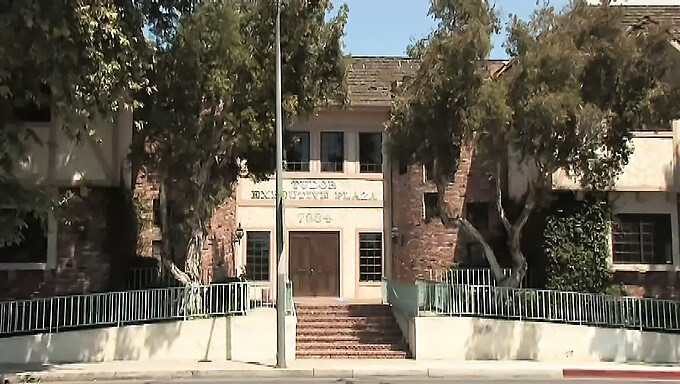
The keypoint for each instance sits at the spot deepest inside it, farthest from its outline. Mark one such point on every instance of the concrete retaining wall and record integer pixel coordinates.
(250, 338)
(456, 338)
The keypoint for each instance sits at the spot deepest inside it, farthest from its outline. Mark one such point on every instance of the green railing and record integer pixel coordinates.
(440, 299)
(58, 313)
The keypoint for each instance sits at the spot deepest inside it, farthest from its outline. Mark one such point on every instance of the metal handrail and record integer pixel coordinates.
(440, 299)
(58, 313)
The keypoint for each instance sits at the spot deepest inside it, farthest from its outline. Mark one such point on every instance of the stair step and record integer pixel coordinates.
(344, 346)
(350, 337)
(349, 331)
(340, 321)
(344, 354)
(344, 309)
(377, 327)
(331, 332)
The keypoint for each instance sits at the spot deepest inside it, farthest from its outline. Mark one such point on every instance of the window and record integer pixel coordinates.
(431, 205)
(370, 152)
(332, 151)
(403, 167)
(35, 113)
(478, 215)
(370, 256)
(642, 239)
(33, 246)
(257, 255)
(297, 154)
(429, 170)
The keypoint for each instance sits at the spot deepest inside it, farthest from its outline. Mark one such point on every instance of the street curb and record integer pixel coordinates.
(162, 375)
(640, 374)
(346, 373)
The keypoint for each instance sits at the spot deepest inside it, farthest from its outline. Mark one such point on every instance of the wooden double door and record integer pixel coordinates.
(314, 265)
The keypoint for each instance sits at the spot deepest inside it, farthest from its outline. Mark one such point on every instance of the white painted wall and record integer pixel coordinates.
(347, 202)
(651, 166)
(250, 338)
(456, 338)
(99, 158)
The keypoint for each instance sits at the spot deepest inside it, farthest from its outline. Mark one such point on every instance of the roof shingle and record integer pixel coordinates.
(666, 15)
(371, 79)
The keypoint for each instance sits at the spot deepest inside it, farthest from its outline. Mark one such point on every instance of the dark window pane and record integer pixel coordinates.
(642, 238)
(33, 247)
(429, 170)
(403, 167)
(257, 256)
(370, 152)
(297, 153)
(478, 215)
(431, 205)
(370, 256)
(332, 151)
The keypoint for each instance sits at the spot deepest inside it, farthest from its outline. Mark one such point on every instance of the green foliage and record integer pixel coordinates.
(212, 109)
(576, 244)
(578, 85)
(451, 96)
(78, 58)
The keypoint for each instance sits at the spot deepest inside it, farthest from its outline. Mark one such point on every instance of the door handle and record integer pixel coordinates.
(311, 270)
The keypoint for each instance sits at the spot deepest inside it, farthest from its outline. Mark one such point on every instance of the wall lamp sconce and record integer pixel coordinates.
(395, 234)
(238, 234)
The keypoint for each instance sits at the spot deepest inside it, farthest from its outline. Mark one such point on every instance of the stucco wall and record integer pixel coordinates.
(651, 166)
(449, 338)
(250, 338)
(99, 157)
(347, 202)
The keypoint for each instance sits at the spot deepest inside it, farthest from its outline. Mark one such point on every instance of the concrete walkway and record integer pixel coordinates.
(163, 370)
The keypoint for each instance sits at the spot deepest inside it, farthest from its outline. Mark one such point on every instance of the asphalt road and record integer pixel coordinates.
(385, 380)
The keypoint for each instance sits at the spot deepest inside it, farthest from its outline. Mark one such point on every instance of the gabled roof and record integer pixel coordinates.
(637, 16)
(371, 79)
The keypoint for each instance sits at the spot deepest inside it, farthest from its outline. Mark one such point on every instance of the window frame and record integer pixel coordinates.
(251, 274)
(321, 152)
(366, 167)
(639, 220)
(371, 277)
(303, 164)
(434, 209)
(51, 256)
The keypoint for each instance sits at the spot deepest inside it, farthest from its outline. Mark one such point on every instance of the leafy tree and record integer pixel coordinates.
(576, 244)
(576, 87)
(77, 58)
(211, 116)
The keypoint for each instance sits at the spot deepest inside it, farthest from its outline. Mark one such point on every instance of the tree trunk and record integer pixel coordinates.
(182, 277)
(194, 254)
(456, 222)
(514, 231)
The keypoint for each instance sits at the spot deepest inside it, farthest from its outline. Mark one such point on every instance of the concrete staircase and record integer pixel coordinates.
(351, 331)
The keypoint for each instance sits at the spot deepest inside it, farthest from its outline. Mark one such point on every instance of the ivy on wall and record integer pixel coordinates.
(577, 246)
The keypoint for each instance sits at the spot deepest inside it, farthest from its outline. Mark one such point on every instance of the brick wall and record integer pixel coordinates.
(218, 254)
(146, 190)
(426, 244)
(83, 262)
(661, 285)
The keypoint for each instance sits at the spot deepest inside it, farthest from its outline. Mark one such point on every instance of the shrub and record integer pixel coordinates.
(576, 244)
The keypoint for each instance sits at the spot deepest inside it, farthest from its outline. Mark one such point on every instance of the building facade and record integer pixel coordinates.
(78, 251)
(353, 217)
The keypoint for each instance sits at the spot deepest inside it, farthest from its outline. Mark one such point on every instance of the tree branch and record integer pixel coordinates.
(499, 198)
(455, 221)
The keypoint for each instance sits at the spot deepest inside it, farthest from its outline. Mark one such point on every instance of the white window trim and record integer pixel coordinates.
(51, 252)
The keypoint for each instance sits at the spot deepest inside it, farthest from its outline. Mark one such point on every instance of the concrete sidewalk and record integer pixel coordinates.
(164, 370)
